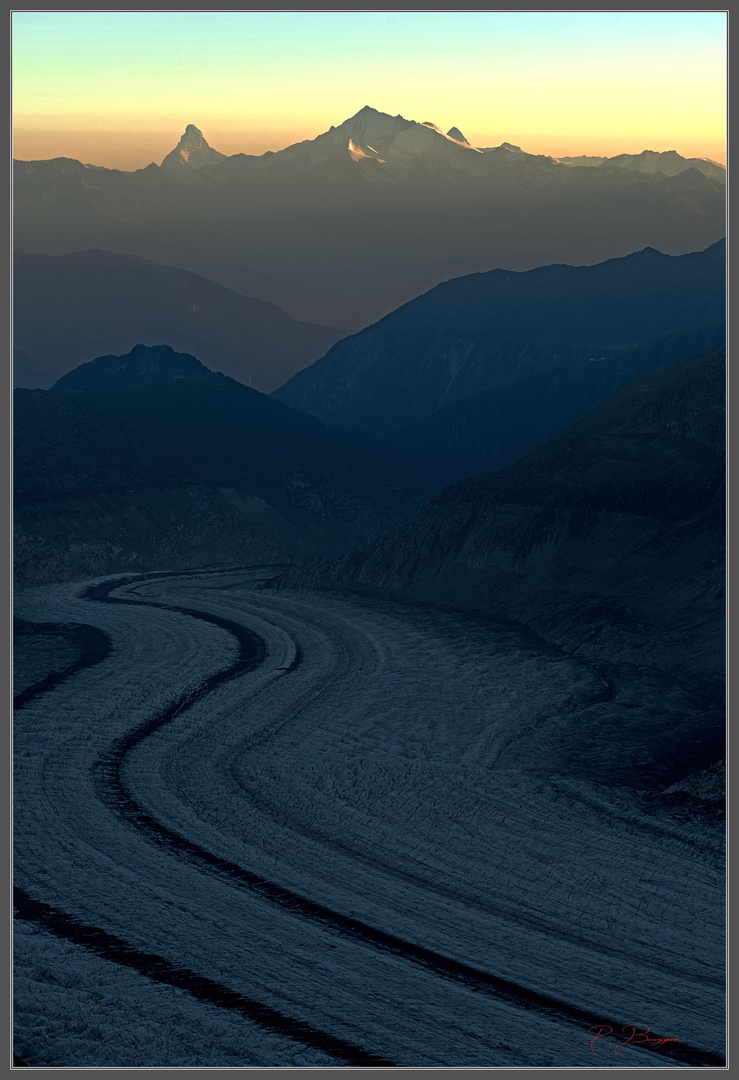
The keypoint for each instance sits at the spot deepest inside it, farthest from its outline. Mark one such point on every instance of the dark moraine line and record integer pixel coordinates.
(94, 644)
(157, 968)
(251, 654)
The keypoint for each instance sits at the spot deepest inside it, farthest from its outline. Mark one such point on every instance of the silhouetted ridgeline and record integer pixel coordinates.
(186, 472)
(489, 330)
(70, 308)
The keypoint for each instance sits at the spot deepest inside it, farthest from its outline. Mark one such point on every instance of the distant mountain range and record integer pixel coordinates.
(345, 227)
(486, 331)
(666, 162)
(371, 138)
(608, 540)
(68, 309)
(149, 460)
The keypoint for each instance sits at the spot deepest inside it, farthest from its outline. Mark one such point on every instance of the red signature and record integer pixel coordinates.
(635, 1037)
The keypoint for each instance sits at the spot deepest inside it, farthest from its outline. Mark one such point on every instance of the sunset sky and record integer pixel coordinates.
(118, 88)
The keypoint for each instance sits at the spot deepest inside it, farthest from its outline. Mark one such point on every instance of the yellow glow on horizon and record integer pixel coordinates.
(118, 89)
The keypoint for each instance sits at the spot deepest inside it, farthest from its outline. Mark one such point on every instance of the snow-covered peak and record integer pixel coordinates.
(371, 128)
(377, 135)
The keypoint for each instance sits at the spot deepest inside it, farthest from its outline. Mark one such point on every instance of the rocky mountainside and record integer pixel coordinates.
(608, 540)
(490, 330)
(345, 227)
(486, 431)
(68, 309)
(193, 471)
(191, 153)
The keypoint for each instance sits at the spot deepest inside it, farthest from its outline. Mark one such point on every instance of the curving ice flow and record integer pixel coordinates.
(388, 786)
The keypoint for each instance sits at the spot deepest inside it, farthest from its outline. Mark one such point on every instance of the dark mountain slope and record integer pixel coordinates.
(608, 540)
(144, 364)
(490, 330)
(488, 430)
(71, 308)
(192, 471)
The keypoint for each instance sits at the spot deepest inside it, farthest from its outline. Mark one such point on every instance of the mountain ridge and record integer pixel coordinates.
(608, 540)
(370, 125)
(343, 228)
(487, 330)
(118, 471)
(101, 302)
(488, 430)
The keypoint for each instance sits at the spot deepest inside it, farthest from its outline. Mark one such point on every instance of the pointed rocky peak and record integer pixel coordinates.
(191, 152)
(512, 148)
(447, 137)
(456, 134)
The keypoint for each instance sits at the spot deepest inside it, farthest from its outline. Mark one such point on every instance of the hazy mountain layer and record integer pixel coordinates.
(188, 472)
(345, 227)
(668, 162)
(490, 330)
(69, 309)
(608, 540)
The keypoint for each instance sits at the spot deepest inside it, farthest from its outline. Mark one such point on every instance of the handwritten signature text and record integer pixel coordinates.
(632, 1036)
